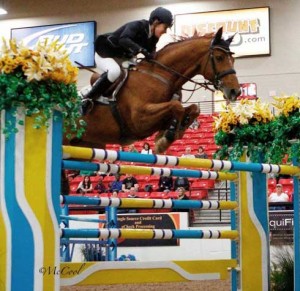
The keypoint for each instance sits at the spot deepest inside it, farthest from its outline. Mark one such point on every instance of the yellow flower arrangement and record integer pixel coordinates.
(246, 112)
(287, 105)
(40, 80)
(252, 124)
(47, 61)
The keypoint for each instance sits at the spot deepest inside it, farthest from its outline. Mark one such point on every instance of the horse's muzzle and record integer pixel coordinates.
(231, 94)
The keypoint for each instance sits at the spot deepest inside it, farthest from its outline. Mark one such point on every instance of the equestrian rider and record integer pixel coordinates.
(135, 37)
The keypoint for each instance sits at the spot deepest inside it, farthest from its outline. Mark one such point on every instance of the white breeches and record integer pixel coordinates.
(108, 65)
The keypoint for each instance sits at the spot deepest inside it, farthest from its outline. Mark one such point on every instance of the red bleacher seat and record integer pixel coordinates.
(173, 195)
(206, 124)
(94, 179)
(122, 195)
(143, 194)
(198, 195)
(73, 189)
(154, 179)
(271, 184)
(203, 184)
(212, 147)
(208, 134)
(105, 194)
(205, 129)
(158, 195)
(92, 195)
(286, 182)
(109, 179)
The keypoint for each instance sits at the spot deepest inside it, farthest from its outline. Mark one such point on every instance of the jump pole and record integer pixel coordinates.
(165, 160)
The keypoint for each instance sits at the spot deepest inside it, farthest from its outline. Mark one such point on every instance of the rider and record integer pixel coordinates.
(135, 37)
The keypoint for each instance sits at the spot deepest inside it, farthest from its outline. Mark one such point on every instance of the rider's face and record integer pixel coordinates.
(160, 29)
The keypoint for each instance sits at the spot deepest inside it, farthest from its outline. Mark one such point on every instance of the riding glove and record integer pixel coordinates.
(147, 55)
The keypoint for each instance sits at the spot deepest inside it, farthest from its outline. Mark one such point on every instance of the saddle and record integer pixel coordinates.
(110, 95)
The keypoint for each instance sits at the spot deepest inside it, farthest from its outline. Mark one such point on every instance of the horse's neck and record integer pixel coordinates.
(185, 57)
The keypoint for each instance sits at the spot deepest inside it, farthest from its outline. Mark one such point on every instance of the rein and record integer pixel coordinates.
(170, 70)
(217, 83)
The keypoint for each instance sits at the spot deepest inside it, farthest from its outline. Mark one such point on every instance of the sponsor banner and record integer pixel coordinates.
(249, 91)
(281, 227)
(147, 221)
(78, 38)
(250, 26)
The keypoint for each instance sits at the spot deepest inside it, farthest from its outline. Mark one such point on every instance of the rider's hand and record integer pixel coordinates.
(147, 55)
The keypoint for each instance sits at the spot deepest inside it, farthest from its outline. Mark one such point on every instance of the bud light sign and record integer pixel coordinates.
(78, 38)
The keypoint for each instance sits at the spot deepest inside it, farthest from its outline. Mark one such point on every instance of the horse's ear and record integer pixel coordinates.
(218, 36)
(229, 40)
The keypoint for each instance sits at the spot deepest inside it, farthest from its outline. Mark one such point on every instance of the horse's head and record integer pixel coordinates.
(219, 67)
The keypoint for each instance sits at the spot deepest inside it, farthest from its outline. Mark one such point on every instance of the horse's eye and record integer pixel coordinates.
(219, 58)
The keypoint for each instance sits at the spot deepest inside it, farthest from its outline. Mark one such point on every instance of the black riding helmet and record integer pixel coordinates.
(162, 15)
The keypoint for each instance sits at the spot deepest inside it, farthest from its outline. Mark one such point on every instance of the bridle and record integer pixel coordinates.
(217, 82)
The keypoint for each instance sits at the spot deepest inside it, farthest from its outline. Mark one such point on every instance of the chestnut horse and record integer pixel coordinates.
(144, 105)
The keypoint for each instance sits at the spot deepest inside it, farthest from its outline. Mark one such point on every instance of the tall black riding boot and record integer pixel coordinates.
(99, 87)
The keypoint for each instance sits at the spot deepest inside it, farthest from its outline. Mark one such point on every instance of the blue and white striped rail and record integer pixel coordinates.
(149, 203)
(114, 233)
(141, 170)
(74, 218)
(164, 160)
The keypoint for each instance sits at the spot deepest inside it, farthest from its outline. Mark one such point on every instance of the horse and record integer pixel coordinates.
(146, 104)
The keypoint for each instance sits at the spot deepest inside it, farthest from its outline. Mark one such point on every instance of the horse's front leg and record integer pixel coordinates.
(176, 128)
(190, 114)
(167, 116)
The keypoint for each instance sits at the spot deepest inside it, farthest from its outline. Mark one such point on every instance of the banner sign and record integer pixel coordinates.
(249, 91)
(250, 26)
(78, 38)
(281, 224)
(147, 221)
